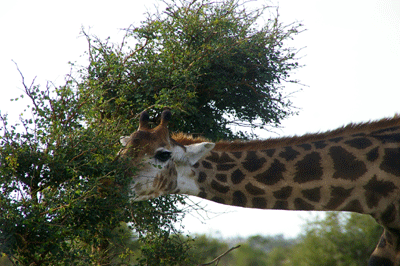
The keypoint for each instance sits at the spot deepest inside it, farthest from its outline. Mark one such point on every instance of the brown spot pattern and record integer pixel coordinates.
(289, 154)
(269, 152)
(252, 162)
(336, 140)
(305, 146)
(346, 164)
(273, 174)
(389, 215)
(359, 143)
(206, 164)
(251, 156)
(202, 177)
(283, 193)
(338, 196)
(385, 130)
(309, 168)
(281, 205)
(218, 200)
(202, 194)
(353, 206)
(373, 154)
(239, 199)
(221, 177)
(320, 144)
(391, 161)
(301, 204)
(224, 158)
(259, 203)
(389, 138)
(214, 157)
(376, 189)
(313, 194)
(237, 154)
(253, 190)
(225, 166)
(237, 177)
(358, 135)
(218, 187)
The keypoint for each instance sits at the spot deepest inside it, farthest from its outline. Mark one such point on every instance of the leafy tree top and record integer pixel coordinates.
(210, 62)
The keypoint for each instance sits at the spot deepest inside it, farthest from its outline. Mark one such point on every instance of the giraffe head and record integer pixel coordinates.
(165, 166)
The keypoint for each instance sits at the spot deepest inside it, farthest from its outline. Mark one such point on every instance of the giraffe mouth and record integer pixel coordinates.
(152, 187)
(141, 195)
(143, 190)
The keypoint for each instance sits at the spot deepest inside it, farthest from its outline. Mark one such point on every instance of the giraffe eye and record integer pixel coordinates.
(163, 156)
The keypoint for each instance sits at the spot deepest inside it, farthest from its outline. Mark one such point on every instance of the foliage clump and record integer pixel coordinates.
(345, 239)
(338, 239)
(52, 166)
(211, 62)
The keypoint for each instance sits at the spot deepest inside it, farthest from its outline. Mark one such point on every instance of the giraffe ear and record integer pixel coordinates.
(124, 140)
(197, 151)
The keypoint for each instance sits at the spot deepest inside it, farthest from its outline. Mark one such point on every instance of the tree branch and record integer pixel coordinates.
(219, 257)
(28, 91)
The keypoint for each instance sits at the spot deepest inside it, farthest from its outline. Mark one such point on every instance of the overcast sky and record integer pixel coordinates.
(351, 71)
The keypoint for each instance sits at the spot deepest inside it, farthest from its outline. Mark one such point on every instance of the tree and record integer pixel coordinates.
(263, 250)
(63, 190)
(338, 239)
(208, 61)
(51, 167)
(205, 249)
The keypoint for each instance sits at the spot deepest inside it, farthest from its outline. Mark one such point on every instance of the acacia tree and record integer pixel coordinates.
(63, 193)
(208, 61)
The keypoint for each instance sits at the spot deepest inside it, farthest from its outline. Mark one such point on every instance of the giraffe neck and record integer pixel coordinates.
(356, 171)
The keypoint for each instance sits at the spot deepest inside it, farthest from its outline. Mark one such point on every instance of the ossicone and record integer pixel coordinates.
(166, 117)
(144, 120)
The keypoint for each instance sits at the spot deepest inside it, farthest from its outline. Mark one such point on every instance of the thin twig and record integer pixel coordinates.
(134, 52)
(27, 90)
(219, 257)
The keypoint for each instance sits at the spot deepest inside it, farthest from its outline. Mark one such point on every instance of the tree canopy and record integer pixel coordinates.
(211, 62)
(63, 193)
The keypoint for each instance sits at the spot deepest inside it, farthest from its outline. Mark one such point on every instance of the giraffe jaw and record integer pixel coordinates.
(186, 183)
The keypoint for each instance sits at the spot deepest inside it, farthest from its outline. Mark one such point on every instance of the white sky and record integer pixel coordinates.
(351, 58)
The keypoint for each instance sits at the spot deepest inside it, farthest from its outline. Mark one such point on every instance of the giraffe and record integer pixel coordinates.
(355, 168)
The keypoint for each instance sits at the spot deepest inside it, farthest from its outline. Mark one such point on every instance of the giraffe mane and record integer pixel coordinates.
(240, 145)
